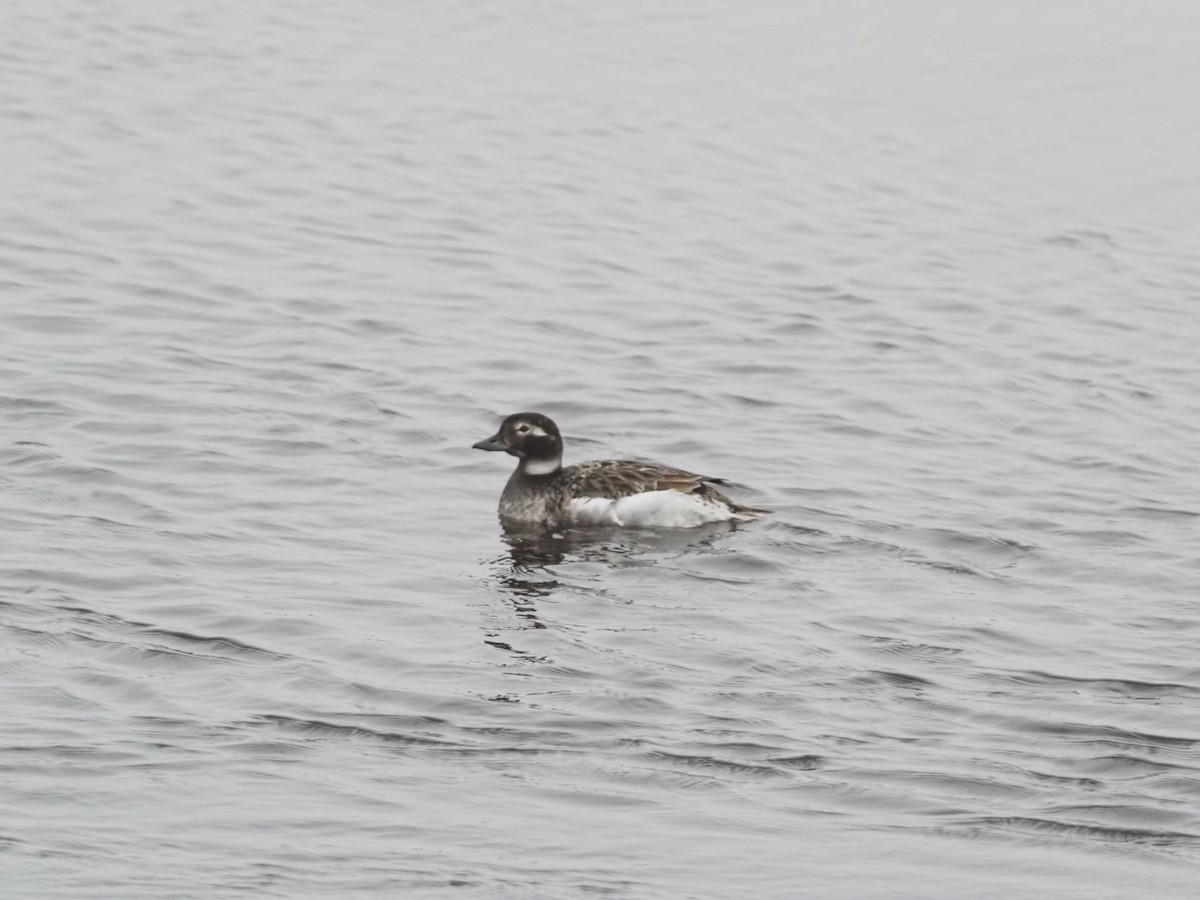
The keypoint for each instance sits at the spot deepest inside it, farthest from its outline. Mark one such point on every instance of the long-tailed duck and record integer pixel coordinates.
(601, 492)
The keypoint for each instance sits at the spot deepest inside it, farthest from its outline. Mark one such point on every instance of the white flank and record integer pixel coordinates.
(664, 509)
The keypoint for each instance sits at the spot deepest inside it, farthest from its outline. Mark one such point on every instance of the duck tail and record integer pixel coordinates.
(748, 513)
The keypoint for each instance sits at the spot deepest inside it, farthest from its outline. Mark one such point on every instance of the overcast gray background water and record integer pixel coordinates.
(921, 276)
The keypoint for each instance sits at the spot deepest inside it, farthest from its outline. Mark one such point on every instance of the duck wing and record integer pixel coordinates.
(615, 478)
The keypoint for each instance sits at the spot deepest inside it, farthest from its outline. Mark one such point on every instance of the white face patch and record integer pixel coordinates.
(530, 430)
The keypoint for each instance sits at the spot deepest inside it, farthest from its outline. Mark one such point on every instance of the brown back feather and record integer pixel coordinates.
(616, 478)
(623, 478)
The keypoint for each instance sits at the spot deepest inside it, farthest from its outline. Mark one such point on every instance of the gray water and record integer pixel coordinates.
(922, 277)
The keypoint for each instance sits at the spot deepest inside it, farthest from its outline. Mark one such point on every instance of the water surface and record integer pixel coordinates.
(920, 278)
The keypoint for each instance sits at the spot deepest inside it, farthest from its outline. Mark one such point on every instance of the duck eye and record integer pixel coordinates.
(523, 429)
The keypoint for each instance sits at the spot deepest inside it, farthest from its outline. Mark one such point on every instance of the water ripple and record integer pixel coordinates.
(269, 272)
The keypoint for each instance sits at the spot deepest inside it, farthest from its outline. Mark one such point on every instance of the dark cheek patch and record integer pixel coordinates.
(540, 446)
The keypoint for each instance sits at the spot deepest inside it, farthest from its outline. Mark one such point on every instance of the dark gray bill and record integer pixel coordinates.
(495, 442)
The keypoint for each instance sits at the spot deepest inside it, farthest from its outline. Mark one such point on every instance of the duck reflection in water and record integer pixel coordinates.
(526, 572)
